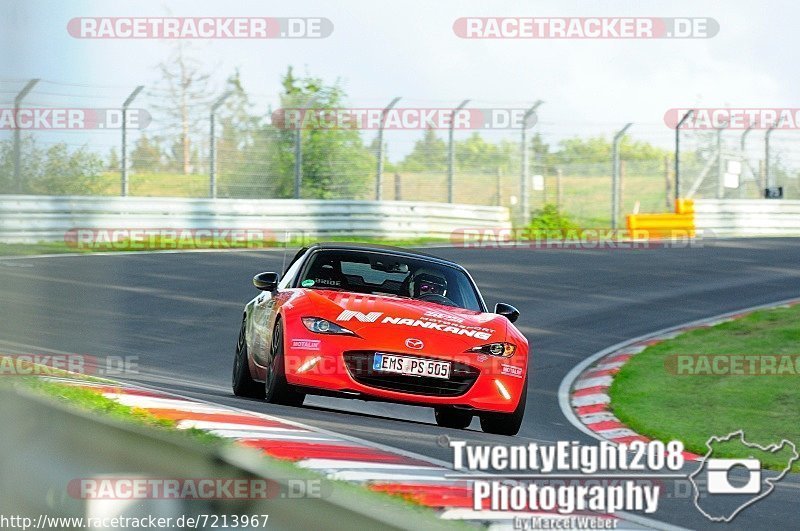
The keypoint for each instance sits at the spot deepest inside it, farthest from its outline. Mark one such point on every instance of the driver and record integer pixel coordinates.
(426, 282)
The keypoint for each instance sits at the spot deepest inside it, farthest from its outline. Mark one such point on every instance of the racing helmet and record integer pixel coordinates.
(426, 281)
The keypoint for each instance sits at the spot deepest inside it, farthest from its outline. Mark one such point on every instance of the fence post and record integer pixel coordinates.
(379, 176)
(524, 192)
(17, 137)
(451, 158)
(678, 154)
(498, 187)
(212, 192)
(767, 175)
(720, 171)
(124, 150)
(743, 158)
(398, 192)
(298, 162)
(623, 171)
(615, 175)
(559, 190)
(298, 150)
(667, 185)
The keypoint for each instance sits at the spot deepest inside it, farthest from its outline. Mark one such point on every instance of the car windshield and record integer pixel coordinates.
(378, 273)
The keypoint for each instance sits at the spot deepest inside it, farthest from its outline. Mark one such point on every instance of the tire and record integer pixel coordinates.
(448, 417)
(506, 423)
(276, 389)
(242, 382)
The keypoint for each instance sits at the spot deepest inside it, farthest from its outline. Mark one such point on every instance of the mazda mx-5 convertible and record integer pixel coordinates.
(379, 323)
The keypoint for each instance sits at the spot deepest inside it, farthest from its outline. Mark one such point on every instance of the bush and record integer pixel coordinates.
(56, 170)
(549, 219)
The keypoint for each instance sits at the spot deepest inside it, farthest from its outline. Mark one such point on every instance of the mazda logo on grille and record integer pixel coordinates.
(416, 344)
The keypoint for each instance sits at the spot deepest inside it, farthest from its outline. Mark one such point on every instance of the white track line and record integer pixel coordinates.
(341, 464)
(228, 426)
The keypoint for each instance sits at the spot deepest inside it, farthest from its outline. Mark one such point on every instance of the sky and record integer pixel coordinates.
(380, 49)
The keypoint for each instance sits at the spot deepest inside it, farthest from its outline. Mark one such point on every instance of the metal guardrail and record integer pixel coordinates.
(45, 445)
(747, 217)
(32, 219)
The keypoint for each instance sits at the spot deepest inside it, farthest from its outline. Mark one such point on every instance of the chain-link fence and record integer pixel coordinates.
(743, 163)
(60, 139)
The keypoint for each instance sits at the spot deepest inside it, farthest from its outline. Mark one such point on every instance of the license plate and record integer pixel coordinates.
(411, 366)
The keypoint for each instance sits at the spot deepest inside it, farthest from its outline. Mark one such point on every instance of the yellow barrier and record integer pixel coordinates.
(659, 226)
(684, 206)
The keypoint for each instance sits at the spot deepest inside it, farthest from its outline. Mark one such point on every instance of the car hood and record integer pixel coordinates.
(382, 318)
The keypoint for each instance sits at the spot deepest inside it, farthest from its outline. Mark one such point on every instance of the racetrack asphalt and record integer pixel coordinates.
(179, 313)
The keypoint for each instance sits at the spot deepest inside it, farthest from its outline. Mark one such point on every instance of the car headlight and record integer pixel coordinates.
(322, 326)
(502, 350)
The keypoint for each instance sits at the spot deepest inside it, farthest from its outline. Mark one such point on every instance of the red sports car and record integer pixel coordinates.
(379, 323)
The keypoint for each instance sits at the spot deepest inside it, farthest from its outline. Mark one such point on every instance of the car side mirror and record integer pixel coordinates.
(266, 281)
(507, 311)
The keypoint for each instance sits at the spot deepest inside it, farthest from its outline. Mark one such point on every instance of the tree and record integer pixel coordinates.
(185, 87)
(584, 151)
(335, 161)
(544, 160)
(239, 145)
(592, 156)
(476, 155)
(388, 167)
(146, 155)
(31, 161)
(429, 154)
(64, 172)
(257, 157)
(54, 171)
(598, 149)
(113, 160)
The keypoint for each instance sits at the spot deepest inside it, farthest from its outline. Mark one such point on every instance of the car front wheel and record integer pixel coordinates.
(276, 389)
(242, 382)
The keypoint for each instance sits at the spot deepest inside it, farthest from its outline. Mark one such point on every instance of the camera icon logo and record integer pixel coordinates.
(724, 487)
(721, 473)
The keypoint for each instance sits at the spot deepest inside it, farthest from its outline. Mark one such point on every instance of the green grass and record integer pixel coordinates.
(585, 198)
(160, 184)
(25, 249)
(32, 249)
(88, 400)
(649, 397)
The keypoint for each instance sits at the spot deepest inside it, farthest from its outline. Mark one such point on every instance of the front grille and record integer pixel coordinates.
(359, 364)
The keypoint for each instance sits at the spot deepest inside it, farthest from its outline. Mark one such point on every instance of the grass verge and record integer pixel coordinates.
(88, 400)
(26, 249)
(656, 397)
(585, 196)
(32, 249)
(92, 401)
